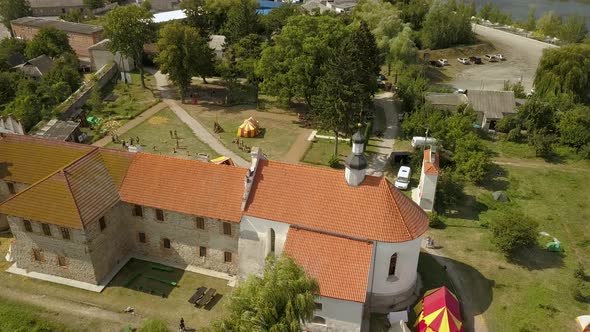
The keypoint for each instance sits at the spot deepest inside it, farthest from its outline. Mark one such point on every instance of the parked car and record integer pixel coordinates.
(403, 178)
(443, 62)
(500, 57)
(491, 58)
(475, 59)
(436, 64)
(464, 61)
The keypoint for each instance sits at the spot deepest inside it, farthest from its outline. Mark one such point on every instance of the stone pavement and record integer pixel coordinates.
(132, 123)
(203, 134)
(378, 160)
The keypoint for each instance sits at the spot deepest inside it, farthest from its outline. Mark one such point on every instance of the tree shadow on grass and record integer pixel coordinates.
(497, 179)
(470, 209)
(537, 258)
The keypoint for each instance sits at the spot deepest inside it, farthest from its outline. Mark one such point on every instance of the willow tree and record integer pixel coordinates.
(281, 300)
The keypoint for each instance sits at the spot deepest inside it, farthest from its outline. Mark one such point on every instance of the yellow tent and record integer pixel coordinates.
(249, 128)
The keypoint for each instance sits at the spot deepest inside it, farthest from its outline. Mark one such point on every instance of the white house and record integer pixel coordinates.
(426, 192)
(357, 235)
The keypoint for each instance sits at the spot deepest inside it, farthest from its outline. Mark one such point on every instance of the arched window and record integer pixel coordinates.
(392, 264)
(272, 240)
(318, 320)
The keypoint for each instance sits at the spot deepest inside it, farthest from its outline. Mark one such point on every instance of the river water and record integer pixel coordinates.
(520, 8)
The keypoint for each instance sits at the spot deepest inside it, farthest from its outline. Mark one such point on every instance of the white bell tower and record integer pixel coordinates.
(356, 163)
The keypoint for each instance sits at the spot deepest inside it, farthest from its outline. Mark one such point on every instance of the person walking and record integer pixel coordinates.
(182, 327)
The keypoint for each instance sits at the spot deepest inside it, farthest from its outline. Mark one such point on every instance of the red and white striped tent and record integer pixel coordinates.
(249, 128)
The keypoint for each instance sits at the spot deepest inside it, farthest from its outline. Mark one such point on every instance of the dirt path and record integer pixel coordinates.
(132, 123)
(298, 148)
(109, 319)
(472, 322)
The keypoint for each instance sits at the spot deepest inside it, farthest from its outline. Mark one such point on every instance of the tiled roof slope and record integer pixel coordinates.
(117, 163)
(430, 167)
(27, 160)
(340, 265)
(319, 198)
(72, 197)
(185, 186)
(92, 187)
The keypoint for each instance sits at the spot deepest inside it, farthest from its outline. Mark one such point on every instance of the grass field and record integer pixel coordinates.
(532, 291)
(505, 149)
(154, 137)
(15, 316)
(321, 151)
(280, 128)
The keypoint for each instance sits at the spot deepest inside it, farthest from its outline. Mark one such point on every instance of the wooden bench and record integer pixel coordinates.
(198, 294)
(206, 298)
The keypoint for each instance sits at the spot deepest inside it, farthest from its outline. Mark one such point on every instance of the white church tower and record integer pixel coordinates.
(356, 163)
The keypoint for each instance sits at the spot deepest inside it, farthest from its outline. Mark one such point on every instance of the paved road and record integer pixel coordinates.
(378, 160)
(523, 56)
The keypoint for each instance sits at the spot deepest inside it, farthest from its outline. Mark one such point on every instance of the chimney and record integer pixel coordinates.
(356, 163)
(256, 155)
(432, 155)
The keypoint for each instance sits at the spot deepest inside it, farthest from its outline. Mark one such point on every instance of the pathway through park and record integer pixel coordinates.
(382, 147)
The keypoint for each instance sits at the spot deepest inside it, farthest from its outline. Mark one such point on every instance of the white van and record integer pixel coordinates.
(403, 178)
(420, 141)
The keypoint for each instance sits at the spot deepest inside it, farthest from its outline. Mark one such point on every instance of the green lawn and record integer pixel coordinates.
(321, 151)
(15, 316)
(279, 128)
(154, 137)
(532, 292)
(505, 149)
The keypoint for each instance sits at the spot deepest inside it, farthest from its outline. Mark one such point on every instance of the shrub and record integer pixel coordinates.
(334, 162)
(579, 272)
(512, 230)
(514, 135)
(507, 123)
(154, 325)
(577, 290)
(449, 192)
(542, 142)
(434, 220)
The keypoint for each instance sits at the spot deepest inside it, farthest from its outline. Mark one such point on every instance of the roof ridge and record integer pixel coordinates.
(390, 189)
(49, 175)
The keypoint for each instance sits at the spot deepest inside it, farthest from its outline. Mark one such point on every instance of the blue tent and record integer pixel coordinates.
(266, 6)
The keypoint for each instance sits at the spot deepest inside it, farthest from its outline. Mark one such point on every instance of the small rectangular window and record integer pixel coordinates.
(37, 255)
(11, 189)
(65, 233)
(227, 228)
(392, 264)
(142, 237)
(318, 306)
(227, 257)
(137, 211)
(202, 251)
(61, 261)
(46, 229)
(167, 243)
(28, 226)
(102, 224)
(159, 215)
(200, 222)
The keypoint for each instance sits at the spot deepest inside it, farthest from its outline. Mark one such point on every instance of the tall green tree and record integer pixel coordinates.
(444, 27)
(531, 22)
(293, 64)
(403, 49)
(26, 108)
(196, 15)
(10, 47)
(49, 41)
(281, 300)
(574, 127)
(549, 24)
(414, 12)
(242, 20)
(65, 69)
(564, 70)
(8, 86)
(183, 54)
(274, 21)
(13, 9)
(573, 30)
(129, 28)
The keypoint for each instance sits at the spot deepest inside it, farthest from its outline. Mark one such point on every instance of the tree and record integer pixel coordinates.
(449, 191)
(574, 127)
(444, 28)
(65, 69)
(414, 12)
(281, 300)
(512, 230)
(147, 5)
(129, 28)
(274, 21)
(196, 15)
(472, 161)
(8, 48)
(8, 86)
(292, 66)
(13, 9)
(531, 22)
(94, 4)
(485, 11)
(564, 70)
(73, 16)
(549, 24)
(183, 54)
(242, 20)
(517, 88)
(26, 108)
(49, 41)
(403, 49)
(411, 88)
(573, 30)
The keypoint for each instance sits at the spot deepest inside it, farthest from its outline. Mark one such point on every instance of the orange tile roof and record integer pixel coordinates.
(431, 167)
(340, 265)
(72, 196)
(117, 162)
(27, 160)
(320, 198)
(185, 186)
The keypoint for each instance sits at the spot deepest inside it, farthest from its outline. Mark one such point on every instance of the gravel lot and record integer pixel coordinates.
(522, 55)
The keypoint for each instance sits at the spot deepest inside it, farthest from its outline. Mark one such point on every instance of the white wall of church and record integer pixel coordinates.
(386, 289)
(255, 243)
(339, 315)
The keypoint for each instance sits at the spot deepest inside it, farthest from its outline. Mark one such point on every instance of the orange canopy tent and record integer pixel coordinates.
(439, 311)
(249, 128)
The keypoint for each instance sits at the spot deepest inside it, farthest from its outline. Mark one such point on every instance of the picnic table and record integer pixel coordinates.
(198, 294)
(207, 297)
